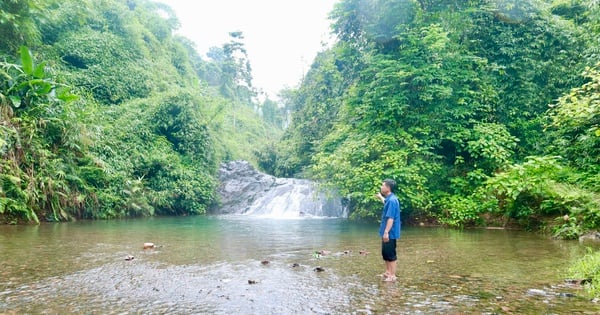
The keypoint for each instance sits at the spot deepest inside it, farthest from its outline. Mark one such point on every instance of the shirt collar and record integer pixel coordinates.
(388, 196)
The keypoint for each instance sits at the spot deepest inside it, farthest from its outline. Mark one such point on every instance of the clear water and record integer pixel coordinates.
(203, 265)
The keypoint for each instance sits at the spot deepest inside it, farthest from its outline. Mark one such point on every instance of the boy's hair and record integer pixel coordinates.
(391, 184)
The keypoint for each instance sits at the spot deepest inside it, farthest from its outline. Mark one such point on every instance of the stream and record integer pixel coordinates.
(237, 264)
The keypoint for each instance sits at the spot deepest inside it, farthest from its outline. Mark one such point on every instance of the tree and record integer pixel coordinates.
(448, 88)
(237, 73)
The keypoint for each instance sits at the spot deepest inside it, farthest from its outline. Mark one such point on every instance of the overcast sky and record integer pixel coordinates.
(281, 36)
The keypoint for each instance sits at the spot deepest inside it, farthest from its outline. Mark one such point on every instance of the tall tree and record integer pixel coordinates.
(236, 83)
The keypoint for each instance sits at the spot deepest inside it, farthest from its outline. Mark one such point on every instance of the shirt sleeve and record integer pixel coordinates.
(392, 209)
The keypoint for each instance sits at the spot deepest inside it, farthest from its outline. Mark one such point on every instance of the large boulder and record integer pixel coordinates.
(241, 184)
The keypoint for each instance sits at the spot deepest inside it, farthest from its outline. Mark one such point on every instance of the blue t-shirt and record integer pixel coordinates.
(391, 209)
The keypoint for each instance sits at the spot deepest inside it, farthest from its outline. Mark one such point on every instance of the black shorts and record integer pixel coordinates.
(388, 250)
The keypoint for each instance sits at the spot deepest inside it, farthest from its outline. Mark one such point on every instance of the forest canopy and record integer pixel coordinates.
(484, 112)
(105, 113)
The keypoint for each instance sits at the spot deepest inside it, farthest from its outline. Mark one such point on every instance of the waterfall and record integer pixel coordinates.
(246, 191)
(290, 198)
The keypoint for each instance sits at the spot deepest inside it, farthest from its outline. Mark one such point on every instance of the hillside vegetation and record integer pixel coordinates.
(484, 112)
(105, 113)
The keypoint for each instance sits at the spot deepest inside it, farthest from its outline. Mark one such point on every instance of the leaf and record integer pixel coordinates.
(39, 71)
(64, 94)
(16, 101)
(42, 88)
(26, 60)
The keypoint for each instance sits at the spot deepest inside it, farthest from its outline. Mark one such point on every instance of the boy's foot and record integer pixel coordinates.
(389, 279)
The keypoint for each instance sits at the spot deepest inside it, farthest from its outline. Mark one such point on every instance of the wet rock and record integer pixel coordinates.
(590, 236)
(129, 257)
(319, 269)
(363, 253)
(323, 252)
(295, 265)
(536, 292)
(252, 282)
(566, 294)
(578, 281)
(241, 185)
(148, 245)
(265, 262)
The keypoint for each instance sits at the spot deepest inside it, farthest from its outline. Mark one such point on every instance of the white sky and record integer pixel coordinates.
(282, 37)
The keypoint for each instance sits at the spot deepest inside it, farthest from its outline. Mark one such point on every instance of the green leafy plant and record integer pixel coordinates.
(587, 270)
(458, 211)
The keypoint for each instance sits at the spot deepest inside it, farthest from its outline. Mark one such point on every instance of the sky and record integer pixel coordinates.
(282, 37)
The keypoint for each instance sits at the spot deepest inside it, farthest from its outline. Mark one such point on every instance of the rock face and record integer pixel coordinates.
(244, 190)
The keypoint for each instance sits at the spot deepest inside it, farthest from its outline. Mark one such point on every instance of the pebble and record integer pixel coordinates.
(536, 292)
(148, 245)
(566, 294)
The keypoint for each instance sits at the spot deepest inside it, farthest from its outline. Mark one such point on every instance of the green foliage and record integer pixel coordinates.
(42, 145)
(356, 166)
(458, 211)
(178, 118)
(28, 83)
(534, 58)
(19, 23)
(467, 83)
(538, 188)
(588, 269)
(143, 136)
(567, 228)
(271, 113)
(575, 124)
(106, 64)
(491, 145)
(316, 105)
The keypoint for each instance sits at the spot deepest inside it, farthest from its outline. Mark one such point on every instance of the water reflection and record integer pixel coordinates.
(204, 264)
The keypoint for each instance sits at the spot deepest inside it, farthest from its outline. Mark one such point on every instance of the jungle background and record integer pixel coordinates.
(484, 112)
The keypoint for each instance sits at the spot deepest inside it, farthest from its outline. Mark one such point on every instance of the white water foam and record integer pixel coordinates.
(293, 198)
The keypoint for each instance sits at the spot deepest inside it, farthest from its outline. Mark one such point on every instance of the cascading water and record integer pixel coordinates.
(291, 197)
(244, 190)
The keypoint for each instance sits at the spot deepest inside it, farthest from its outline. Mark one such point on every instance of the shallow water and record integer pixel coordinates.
(204, 265)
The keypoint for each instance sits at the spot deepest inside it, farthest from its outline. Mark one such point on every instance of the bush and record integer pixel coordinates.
(459, 211)
(587, 269)
(539, 188)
